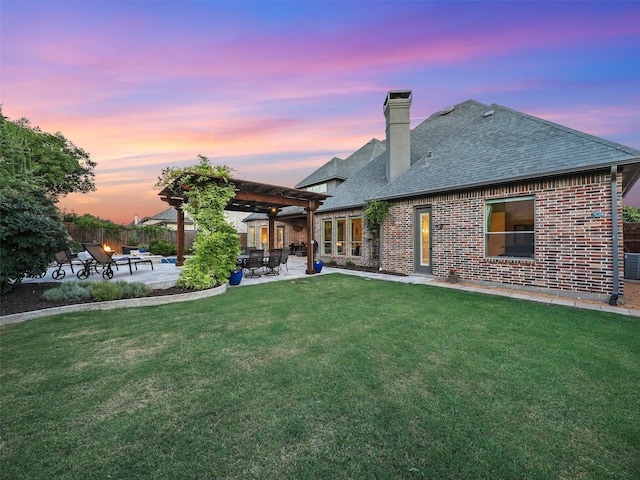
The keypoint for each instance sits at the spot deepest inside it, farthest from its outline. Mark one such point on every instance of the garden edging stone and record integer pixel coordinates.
(128, 302)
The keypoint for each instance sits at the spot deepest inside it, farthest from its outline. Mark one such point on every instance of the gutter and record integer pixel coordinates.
(614, 236)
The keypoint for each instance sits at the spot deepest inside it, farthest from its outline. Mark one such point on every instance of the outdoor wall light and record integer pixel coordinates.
(598, 214)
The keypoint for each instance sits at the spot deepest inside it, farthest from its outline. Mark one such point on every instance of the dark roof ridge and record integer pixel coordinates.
(572, 131)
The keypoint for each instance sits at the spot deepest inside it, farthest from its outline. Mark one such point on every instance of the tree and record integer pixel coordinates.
(217, 243)
(630, 214)
(59, 166)
(35, 168)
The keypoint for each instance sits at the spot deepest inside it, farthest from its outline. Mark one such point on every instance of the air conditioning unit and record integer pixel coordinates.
(632, 266)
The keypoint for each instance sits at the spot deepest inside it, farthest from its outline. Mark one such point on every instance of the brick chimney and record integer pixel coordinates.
(396, 112)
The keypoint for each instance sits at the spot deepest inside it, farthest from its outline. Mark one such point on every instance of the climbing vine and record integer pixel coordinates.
(217, 244)
(375, 213)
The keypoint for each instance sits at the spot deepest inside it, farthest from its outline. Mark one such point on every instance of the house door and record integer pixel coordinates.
(422, 241)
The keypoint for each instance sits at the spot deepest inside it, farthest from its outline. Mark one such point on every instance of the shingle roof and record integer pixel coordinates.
(340, 169)
(334, 168)
(465, 148)
(505, 146)
(170, 215)
(359, 187)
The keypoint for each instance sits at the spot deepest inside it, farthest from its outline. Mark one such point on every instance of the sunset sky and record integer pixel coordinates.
(276, 89)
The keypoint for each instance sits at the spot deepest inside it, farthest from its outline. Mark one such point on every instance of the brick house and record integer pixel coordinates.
(500, 196)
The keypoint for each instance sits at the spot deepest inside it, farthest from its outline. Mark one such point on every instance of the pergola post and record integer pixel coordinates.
(310, 255)
(180, 240)
(272, 227)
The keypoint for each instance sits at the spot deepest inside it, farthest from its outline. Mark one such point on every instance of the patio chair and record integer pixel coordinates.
(103, 260)
(285, 257)
(254, 262)
(273, 265)
(62, 258)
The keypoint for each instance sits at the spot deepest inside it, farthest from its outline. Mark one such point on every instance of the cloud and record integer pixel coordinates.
(276, 89)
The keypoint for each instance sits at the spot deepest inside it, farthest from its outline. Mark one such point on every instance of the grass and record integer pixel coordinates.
(331, 376)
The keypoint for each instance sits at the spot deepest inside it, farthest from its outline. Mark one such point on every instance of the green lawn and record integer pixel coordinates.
(326, 377)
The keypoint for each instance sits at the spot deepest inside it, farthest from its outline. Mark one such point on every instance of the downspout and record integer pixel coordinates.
(614, 236)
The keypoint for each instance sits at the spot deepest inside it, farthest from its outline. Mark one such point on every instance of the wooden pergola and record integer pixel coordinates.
(251, 197)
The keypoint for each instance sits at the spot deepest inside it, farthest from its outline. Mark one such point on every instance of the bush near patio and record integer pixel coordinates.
(160, 247)
(362, 379)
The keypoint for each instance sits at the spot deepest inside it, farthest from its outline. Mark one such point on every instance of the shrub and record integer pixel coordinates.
(30, 233)
(134, 289)
(349, 264)
(161, 247)
(105, 290)
(99, 291)
(69, 291)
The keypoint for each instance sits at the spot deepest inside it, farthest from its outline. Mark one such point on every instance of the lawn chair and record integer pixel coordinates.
(273, 265)
(254, 262)
(103, 260)
(285, 257)
(62, 258)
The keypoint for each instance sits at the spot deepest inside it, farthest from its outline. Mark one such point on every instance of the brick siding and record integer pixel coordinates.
(573, 247)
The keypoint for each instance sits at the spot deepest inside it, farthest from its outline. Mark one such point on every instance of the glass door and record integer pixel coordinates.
(422, 240)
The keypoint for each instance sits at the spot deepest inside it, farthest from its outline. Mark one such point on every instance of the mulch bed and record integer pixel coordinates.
(26, 297)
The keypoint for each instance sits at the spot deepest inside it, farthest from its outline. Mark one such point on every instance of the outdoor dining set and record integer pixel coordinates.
(261, 261)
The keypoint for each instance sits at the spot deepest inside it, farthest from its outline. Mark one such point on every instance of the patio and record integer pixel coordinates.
(165, 275)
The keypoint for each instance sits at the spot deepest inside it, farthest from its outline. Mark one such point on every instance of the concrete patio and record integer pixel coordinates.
(165, 275)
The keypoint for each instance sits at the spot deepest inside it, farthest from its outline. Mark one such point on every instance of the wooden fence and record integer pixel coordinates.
(631, 234)
(123, 237)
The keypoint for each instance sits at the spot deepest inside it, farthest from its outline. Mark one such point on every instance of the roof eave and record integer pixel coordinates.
(523, 178)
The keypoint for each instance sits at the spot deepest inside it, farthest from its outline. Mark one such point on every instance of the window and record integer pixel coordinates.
(356, 237)
(264, 238)
(510, 228)
(327, 236)
(341, 236)
(251, 237)
(321, 188)
(280, 237)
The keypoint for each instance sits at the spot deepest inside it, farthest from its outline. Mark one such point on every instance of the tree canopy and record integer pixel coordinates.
(630, 214)
(54, 162)
(35, 169)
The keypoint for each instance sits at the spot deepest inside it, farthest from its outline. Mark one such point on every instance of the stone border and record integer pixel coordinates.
(126, 303)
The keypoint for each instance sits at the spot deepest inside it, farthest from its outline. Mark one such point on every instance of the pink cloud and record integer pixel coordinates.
(271, 91)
